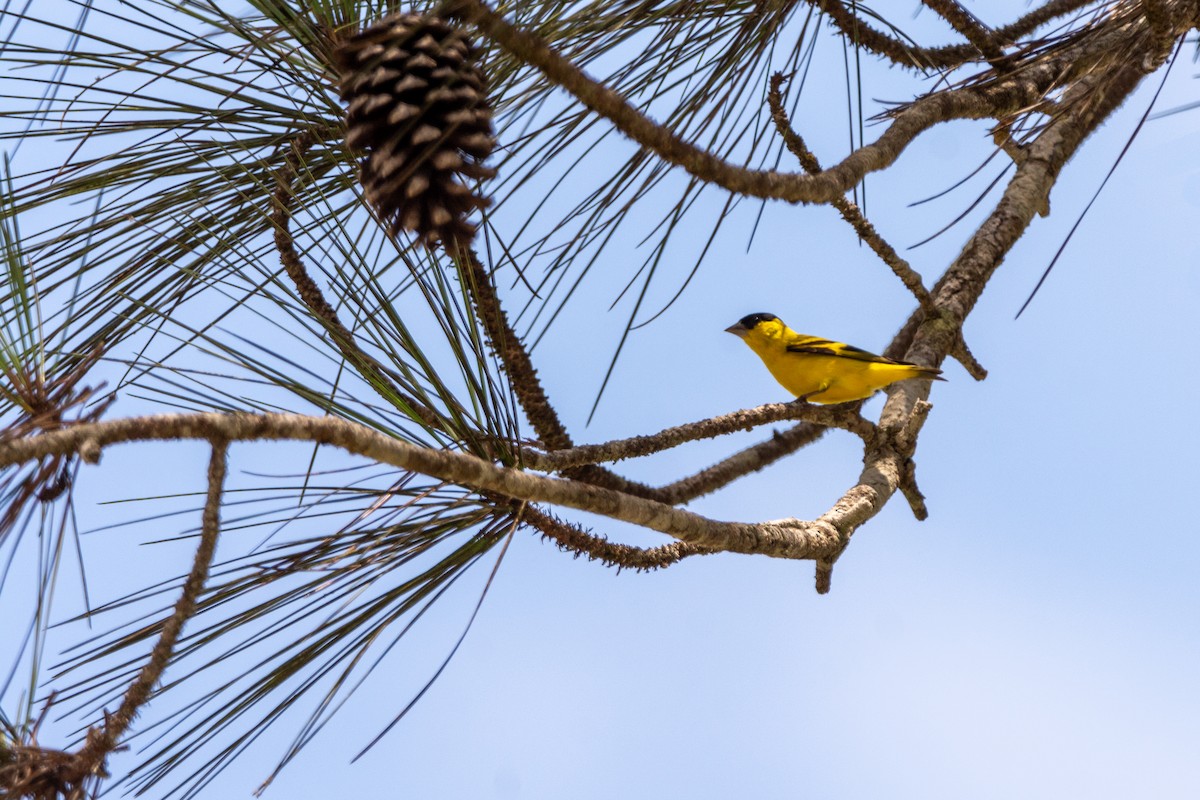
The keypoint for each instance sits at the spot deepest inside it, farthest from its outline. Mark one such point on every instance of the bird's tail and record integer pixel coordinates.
(929, 373)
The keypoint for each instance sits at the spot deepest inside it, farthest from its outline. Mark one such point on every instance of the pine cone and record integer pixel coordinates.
(417, 104)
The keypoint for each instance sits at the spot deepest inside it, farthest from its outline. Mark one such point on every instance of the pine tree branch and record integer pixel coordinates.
(792, 539)
(1023, 26)
(861, 34)
(1086, 106)
(968, 102)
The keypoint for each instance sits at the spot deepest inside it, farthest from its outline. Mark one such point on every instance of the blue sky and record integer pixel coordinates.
(1037, 636)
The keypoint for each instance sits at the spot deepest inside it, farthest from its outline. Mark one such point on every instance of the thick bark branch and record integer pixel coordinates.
(958, 291)
(1109, 79)
(790, 539)
(899, 52)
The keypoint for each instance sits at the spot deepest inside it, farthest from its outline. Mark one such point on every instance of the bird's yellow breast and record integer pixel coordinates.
(831, 379)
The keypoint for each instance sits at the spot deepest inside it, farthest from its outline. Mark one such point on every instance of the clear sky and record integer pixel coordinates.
(1037, 637)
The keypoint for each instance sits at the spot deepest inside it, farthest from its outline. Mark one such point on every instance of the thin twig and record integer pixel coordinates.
(104, 740)
(844, 417)
(370, 369)
(574, 539)
(514, 357)
(848, 209)
(742, 463)
(970, 27)
(963, 355)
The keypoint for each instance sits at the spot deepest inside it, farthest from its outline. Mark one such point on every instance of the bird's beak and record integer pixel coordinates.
(738, 330)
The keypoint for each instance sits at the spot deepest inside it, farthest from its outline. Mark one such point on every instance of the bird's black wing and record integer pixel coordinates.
(825, 347)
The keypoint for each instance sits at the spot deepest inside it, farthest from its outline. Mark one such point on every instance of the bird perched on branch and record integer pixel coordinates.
(819, 370)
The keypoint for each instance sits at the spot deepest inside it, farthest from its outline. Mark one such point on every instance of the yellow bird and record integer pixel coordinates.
(818, 370)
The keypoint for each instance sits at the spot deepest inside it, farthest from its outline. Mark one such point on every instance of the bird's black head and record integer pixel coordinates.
(743, 326)
(750, 320)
